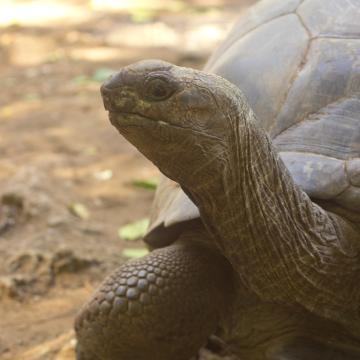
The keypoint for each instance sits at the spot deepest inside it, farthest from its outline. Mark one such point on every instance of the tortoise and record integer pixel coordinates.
(256, 223)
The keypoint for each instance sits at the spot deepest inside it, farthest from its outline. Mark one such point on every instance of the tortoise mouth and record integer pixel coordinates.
(131, 119)
(123, 118)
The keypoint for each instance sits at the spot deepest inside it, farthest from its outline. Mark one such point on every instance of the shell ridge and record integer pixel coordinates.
(296, 74)
(234, 37)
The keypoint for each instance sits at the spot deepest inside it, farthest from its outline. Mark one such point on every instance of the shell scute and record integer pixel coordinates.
(331, 73)
(260, 76)
(320, 176)
(334, 131)
(254, 17)
(331, 18)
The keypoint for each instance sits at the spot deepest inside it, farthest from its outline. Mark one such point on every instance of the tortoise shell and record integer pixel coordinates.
(298, 63)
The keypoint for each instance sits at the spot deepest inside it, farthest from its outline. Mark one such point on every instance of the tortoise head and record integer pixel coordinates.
(179, 118)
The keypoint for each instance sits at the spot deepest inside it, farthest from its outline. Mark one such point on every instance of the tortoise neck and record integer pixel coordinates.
(256, 208)
(283, 246)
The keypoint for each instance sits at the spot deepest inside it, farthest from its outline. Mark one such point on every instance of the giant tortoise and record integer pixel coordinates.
(256, 237)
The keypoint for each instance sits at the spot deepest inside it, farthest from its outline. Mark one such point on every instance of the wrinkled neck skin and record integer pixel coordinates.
(284, 247)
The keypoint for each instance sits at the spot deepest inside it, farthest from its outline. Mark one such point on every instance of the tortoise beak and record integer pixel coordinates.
(106, 96)
(109, 89)
(117, 93)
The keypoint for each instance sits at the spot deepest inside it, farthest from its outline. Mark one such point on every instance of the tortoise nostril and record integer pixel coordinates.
(111, 90)
(114, 81)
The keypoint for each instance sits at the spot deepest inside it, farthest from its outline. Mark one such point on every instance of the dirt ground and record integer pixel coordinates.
(66, 177)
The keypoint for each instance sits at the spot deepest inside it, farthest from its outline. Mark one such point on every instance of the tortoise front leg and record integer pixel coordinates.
(163, 306)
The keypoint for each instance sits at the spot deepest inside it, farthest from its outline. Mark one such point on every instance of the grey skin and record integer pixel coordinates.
(292, 293)
(295, 266)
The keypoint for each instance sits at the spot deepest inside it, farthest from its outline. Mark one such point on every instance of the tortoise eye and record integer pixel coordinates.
(158, 89)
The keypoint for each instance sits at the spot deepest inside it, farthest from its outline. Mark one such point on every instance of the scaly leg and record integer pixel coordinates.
(163, 306)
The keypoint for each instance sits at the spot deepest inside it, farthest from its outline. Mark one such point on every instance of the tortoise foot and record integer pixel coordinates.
(163, 306)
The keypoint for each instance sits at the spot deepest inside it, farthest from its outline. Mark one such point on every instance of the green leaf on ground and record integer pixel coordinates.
(80, 80)
(134, 230)
(133, 253)
(150, 183)
(31, 97)
(102, 74)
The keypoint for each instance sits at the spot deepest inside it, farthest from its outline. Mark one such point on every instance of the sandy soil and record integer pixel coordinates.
(66, 177)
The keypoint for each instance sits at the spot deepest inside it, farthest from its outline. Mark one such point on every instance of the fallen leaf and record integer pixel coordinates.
(150, 183)
(31, 97)
(79, 210)
(132, 253)
(134, 230)
(80, 80)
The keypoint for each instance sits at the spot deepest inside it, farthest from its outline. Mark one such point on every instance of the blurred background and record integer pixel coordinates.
(74, 196)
